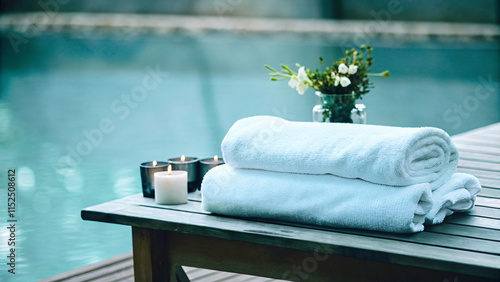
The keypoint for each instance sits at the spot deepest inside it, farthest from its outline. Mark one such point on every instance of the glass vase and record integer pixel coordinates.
(338, 108)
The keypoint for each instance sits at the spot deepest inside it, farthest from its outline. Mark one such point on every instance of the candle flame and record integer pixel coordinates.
(169, 169)
(216, 158)
(155, 163)
(183, 158)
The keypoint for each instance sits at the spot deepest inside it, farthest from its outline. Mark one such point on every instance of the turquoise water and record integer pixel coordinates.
(76, 138)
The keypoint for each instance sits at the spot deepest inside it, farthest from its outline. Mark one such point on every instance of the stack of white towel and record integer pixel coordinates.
(339, 175)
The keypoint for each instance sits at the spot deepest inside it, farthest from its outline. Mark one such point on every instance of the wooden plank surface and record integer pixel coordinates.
(467, 243)
(119, 267)
(346, 244)
(490, 183)
(109, 271)
(489, 192)
(480, 157)
(479, 165)
(478, 149)
(423, 238)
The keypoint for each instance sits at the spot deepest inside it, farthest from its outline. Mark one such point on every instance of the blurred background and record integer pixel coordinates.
(90, 89)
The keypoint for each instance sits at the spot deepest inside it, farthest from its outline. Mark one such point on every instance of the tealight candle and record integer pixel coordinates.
(147, 176)
(208, 164)
(192, 166)
(171, 187)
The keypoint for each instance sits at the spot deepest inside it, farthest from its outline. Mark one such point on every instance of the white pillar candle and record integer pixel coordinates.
(171, 187)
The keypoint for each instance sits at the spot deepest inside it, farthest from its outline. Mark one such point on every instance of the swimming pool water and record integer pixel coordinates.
(59, 90)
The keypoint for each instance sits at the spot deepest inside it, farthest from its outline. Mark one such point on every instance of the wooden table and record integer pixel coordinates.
(466, 247)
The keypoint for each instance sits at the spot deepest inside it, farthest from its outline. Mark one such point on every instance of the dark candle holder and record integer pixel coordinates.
(208, 164)
(148, 170)
(192, 166)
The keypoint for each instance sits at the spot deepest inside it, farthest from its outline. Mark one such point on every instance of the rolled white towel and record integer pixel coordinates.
(325, 200)
(456, 195)
(379, 154)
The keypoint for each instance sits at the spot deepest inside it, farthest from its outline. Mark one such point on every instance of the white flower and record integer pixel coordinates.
(293, 81)
(343, 68)
(353, 69)
(302, 87)
(337, 81)
(300, 81)
(302, 75)
(344, 81)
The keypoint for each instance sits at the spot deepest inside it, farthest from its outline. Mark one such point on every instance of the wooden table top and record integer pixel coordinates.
(465, 243)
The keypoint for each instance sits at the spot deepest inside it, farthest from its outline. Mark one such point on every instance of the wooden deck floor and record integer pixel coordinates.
(121, 268)
(479, 156)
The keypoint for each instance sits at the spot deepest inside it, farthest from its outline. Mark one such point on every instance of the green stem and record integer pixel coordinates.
(285, 67)
(270, 68)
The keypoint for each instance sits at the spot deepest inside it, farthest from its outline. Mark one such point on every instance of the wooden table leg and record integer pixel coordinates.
(150, 256)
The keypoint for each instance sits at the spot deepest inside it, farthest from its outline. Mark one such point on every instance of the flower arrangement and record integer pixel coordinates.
(347, 77)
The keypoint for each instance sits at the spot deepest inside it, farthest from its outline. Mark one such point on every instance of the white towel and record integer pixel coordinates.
(456, 195)
(325, 200)
(379, 154)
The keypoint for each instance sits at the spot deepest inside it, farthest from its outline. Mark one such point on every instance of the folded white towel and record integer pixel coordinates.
(456, 195)
(379, 154)
(325, 200)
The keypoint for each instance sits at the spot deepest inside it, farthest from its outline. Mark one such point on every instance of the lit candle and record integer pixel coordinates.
(192, 166)
(147, 176)
(171, 187)
(208, 164)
